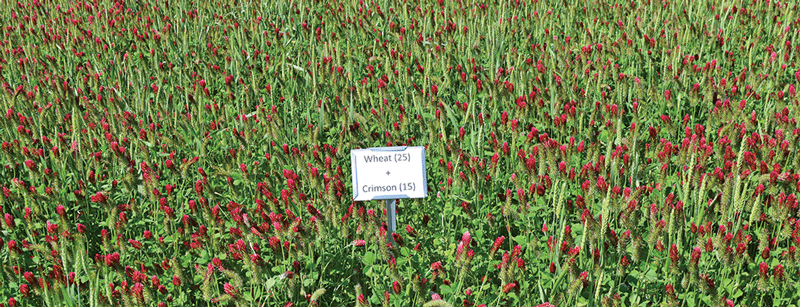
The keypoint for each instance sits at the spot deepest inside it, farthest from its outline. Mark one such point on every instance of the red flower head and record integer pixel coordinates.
(673, 253)
(230, 290)
(61, 210)
(135, 244)
(398, 239)
(696, 253)
(112, 259)
(396, 287)
(138, 290)
(9, 219)
(198, 187)
(508, 287)
(763, 269)
(778, 273)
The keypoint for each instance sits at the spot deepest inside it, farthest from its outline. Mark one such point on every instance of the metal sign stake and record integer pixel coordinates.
(391, 219)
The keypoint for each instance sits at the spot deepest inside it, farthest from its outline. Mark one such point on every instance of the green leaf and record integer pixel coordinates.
(651, 275)
(445, 289)
(450, 116)
(369, 258)
(521, 240)
(68, 299)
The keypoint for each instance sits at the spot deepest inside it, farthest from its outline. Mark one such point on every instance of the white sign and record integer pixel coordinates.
(389, 173)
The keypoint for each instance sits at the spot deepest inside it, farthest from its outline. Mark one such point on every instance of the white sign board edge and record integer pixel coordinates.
(379, 150)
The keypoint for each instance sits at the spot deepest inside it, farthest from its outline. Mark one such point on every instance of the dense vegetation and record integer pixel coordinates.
(593, 153)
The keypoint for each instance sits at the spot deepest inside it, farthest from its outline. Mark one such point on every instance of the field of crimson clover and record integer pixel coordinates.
(179, 153)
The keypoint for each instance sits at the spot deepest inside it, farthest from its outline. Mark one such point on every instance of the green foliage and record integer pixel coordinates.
(588, 153)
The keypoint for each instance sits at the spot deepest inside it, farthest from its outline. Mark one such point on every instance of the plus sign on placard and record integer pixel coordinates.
(389, 173)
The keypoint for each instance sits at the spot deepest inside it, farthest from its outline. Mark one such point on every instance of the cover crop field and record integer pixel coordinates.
(595, 153)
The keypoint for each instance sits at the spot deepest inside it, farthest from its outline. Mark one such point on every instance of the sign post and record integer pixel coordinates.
(389, 173)
(391, 219)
